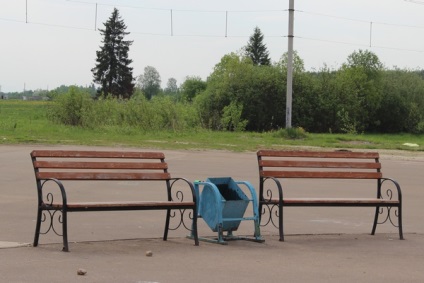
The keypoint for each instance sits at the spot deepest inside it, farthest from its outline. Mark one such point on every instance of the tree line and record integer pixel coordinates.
(246, 91)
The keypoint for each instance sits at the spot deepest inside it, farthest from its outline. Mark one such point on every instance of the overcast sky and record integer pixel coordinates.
(48, 43)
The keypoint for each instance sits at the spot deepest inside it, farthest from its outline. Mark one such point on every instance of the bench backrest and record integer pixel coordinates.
(312, 164)
(99, 165)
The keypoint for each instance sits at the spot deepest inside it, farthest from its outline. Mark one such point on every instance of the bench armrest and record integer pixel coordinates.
(388, 192)
(269, 192)
(179, 195)
(48, 197)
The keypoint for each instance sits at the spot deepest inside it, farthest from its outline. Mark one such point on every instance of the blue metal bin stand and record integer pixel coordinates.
(222, 205)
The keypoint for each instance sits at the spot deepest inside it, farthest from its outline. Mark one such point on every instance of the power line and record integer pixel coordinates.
(359, 44)
(358, 20)
(225, 34)
(332, 41)
(178, 10)
(415, 1)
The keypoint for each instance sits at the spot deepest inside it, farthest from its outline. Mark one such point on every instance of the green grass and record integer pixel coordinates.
(25, 122)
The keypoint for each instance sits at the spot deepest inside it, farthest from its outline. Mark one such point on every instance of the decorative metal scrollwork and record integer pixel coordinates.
(181, 216)
(388, 211)
(49, 216)
(270, 211)
(391, 212)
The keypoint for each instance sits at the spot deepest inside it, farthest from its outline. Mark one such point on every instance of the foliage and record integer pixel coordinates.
(231, 118)
(360, 97)
(70, 108)
(257, 89)
(191, 87)
(292, 133)
(298, 64)
(256, 50)
(25, 122)
(402, 106)
(76, 108)
(171, 86)
(63, 89)
(112, 70)
(149, 82)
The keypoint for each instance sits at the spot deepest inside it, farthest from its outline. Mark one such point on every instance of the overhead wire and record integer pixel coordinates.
(226, 35)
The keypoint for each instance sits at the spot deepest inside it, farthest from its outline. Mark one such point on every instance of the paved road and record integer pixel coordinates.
(323, 244)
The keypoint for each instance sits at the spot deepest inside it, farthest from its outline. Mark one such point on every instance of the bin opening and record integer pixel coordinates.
(228, 189)
(227, 193)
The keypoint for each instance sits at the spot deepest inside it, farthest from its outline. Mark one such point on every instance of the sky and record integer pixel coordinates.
(48, 43)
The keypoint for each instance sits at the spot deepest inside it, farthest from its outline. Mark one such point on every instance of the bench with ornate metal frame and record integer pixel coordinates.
(275, 166)
(53, 167)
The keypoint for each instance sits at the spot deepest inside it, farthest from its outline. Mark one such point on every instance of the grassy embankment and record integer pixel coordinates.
(25, 122)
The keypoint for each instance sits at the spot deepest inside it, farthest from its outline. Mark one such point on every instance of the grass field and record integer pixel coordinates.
(25, 122)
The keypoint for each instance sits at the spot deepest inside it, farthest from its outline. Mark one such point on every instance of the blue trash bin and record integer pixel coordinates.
(222, 205)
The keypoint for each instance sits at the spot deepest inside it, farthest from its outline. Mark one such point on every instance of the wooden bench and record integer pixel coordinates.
(53, 167)
(277, 166)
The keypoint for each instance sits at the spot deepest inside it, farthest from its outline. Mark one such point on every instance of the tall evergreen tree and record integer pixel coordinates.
(256, 49)
(112, 69)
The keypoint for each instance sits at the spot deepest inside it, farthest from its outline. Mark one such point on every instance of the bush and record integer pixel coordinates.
(76, 108)
(292, 133)
(70, 108)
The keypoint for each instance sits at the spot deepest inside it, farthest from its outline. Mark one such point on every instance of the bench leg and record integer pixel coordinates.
(194, 233)
(64, 228)
(400, 222)
(280, 222)
(65, 231)
(260, 211)
(194, 227)
(399, 216)
(37, 228)
(168, 216)
(374, 226)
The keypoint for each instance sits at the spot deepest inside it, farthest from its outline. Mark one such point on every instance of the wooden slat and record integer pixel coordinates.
(123, 204)
(334, 201)
(317, 154)
(96, 154)
(315, 174)
(102, 176)
(100, 165)
(319, 164)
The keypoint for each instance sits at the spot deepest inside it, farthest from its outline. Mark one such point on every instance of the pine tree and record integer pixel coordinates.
(112, 69)
(256, 49)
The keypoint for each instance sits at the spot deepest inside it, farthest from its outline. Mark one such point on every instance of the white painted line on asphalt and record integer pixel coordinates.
(5, 245)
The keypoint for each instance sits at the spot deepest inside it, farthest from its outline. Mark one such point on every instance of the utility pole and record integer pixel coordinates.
(290, 67)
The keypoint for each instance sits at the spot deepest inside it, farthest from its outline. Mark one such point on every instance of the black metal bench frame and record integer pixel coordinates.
(277, 165)
(58, 166)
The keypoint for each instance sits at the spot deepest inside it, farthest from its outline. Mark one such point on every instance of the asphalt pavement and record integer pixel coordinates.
(322, 244)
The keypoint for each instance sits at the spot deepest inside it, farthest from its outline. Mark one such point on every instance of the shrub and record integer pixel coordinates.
(69, 108)
(292, 133)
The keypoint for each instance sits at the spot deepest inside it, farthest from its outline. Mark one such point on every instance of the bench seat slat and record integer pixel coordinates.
(124, 204)
(320, 164)
(93, 176)
(329, 175)
(335, 201)
(100, 165)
